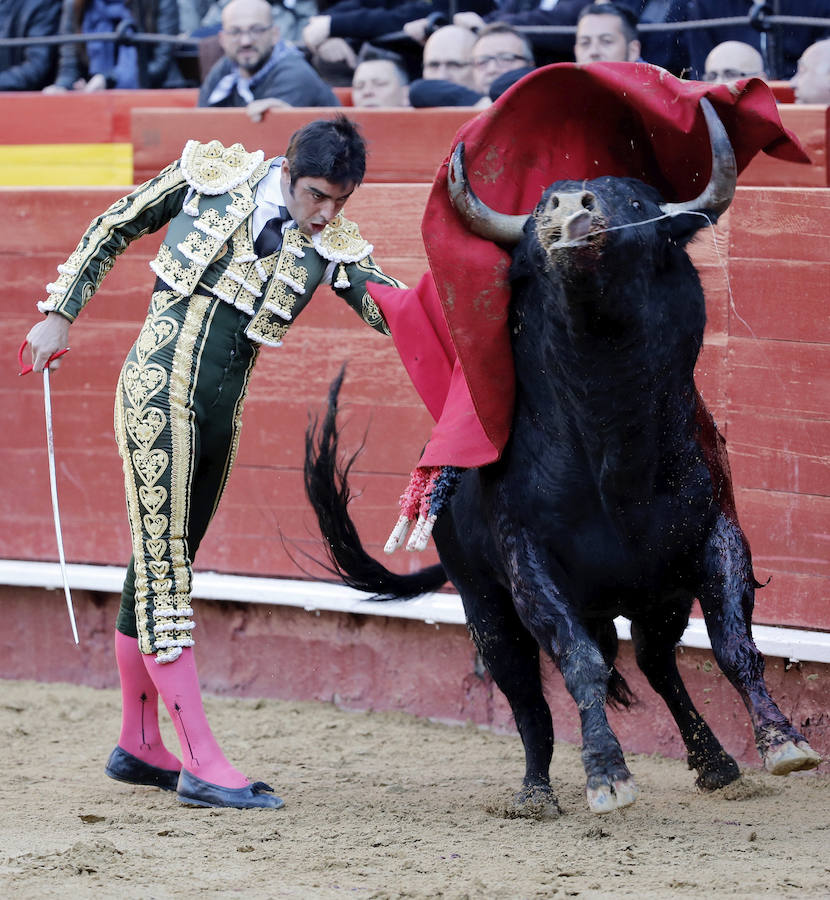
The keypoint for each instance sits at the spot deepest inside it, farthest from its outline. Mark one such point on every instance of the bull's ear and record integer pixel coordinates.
(683, 226)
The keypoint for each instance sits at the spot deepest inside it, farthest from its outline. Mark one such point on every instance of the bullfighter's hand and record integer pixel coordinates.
(47, 337)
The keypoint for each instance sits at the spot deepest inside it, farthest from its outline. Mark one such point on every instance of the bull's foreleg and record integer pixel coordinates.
(654, 642)
(511, 656)
(546, 615)
(727, 599)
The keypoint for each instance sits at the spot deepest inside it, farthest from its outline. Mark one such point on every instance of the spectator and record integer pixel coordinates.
(448, 55)
(780, 46)
(27, 68)
(97, 65)
(811, 81)
(498, 49)
(380, 80)
(362, 21)
(347, 24)
(606, 32)
(259, 70)
(733, 59)
(547, 47)
(448, 70)
(500, 55)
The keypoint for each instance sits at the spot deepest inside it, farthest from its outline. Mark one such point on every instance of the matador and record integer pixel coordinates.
(248, 241)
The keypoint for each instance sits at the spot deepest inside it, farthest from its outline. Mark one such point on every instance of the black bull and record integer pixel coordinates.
(612, 497)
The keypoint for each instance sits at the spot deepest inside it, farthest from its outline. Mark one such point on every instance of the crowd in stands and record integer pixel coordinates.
(260, 54)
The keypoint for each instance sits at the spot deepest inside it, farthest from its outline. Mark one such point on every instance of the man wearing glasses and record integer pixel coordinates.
(259, 71)
(499, 49)
(730, 60)
(496, 51)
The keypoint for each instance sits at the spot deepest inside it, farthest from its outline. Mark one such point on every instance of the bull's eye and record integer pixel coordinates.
(554, 202)
(636, 204)
(588, 200)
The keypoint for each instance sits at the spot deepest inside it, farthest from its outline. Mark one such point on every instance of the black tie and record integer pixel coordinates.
(269, 239)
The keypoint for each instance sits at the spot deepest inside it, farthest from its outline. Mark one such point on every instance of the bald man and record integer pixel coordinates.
(731, 60)
(259, 70)
(811, 81)
(448, 55)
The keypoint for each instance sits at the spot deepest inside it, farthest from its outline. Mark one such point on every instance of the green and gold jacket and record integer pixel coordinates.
(207, 199)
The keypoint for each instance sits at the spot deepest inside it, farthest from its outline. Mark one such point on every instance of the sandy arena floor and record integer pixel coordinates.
(378, 806)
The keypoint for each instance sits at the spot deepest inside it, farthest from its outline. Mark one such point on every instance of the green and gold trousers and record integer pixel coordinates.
(178, 415)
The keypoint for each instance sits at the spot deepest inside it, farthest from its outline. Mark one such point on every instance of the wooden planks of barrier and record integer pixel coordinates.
(811, 125)
(765, 372)
(405, 145)
(410, 144)
(104, 116)
(78, 139)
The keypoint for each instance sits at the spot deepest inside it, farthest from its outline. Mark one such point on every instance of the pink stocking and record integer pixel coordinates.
(139, 708)
(178, 684)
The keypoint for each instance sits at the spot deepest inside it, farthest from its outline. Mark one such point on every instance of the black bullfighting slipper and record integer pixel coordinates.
(195, 792)
(123, 766)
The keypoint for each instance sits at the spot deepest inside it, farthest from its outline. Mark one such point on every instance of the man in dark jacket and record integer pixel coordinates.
(27, 68)
(260, 71)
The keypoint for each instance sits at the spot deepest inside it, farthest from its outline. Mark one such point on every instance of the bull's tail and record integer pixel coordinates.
(326, 484)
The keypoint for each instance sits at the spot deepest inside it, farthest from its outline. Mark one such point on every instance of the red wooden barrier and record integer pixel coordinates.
(811, 124)
(409, 144)
(99, 118)
(405, 145)
(765, 372)
(782, 91)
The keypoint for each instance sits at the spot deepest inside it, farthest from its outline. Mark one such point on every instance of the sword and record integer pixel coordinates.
(53, 482)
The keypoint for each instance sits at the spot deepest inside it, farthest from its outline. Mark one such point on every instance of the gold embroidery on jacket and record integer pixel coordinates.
(340, 241)
(214, 169)
(172, 272)
(371, 313)
(281, 298)
(101, 230)
(267, 329)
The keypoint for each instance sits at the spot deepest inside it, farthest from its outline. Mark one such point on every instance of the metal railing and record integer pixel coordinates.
(769, 26)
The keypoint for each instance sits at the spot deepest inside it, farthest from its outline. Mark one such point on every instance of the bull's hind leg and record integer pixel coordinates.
(727, 599)
(654, 641)
(546, 614)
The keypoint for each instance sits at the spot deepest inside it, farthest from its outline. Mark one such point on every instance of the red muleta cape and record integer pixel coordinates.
(561, 121)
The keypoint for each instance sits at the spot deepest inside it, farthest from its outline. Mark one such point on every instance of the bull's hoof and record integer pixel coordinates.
(723, 771)
(537, 802)
(790, 757)
(605, 798)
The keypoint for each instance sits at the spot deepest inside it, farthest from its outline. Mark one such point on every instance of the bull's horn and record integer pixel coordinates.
(480, 219)
(718, 194)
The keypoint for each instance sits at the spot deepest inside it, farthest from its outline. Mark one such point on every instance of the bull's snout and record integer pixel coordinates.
(567, 218)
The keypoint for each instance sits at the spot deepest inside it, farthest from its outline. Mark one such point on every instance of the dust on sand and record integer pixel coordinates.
(378, 805)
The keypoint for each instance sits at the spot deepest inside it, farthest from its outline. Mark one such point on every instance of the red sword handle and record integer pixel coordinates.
(24, 369)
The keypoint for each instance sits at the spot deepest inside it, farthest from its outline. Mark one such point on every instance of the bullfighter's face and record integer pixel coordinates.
(313, 202)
